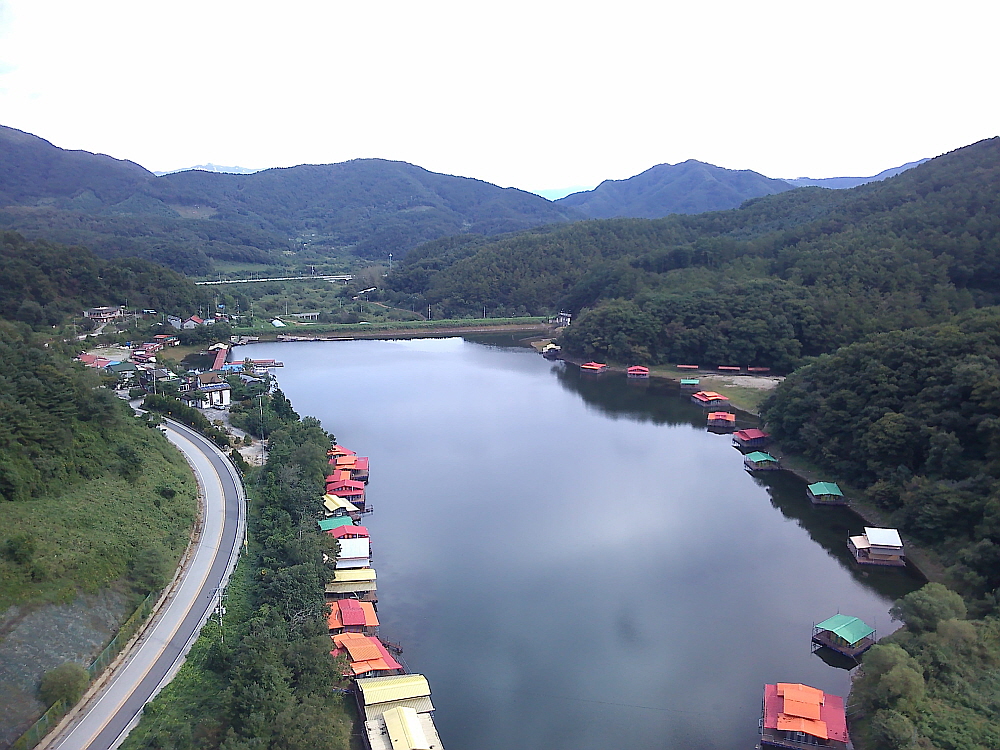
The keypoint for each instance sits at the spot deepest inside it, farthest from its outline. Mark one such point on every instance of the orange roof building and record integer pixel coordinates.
(352, 616)
(799, 716)
(367, 655)
(724, 419)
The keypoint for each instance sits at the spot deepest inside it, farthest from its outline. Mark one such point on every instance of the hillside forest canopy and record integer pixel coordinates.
(782, 278)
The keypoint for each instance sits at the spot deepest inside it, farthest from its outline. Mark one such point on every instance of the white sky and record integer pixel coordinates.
(536, 95)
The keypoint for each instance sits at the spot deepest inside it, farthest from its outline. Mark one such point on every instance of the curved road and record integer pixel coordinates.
(107, 718)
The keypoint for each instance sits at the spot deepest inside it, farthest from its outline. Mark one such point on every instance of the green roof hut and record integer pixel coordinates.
(826, 493)
(760, 461)
(850, 636)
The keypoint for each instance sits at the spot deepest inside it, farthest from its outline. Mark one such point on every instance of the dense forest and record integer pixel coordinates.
(43, 284)
(783, 277)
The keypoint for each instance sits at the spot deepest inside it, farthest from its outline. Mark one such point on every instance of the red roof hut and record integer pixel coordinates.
(799, 716)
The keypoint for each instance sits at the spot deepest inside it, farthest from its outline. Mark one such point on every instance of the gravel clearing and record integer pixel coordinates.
(37, 639)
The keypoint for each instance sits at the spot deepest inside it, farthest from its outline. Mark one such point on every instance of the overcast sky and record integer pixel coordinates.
(534, 95)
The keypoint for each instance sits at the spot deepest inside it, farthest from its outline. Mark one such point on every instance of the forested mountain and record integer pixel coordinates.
(843, 183)
(691, 187)
(188, 219)
(43, 284)
(784, 276)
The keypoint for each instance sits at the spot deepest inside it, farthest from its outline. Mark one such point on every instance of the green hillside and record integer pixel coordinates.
(89, 495)
(782, 277)
(191, 220)
(691, 187)
(43, 284)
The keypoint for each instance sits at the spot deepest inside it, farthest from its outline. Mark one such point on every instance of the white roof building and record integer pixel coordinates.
(883, 537)
(354, 553)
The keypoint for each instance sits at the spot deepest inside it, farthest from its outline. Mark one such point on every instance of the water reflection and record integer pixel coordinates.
(577, 564)
(829, 527)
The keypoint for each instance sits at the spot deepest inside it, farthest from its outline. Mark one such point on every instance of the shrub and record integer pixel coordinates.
(66, 682)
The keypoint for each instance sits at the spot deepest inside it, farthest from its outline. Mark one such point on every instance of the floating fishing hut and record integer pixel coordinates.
(638, 372)
(760, 461)
(844, 634)
(707, 399)
(751, 438)
(800, 717)
(878, 547)
(825, 493)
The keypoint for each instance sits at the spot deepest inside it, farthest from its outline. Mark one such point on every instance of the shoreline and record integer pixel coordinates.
(925, 562)
(281, 335)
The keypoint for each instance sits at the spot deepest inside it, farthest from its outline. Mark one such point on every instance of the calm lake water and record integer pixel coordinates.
(572, 560)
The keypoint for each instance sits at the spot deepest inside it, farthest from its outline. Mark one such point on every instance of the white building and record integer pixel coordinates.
(354, 553)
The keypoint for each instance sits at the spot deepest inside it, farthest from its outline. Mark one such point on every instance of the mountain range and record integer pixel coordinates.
(192, 219)
(691, 187)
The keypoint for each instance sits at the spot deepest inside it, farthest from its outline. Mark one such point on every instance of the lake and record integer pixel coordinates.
(573, 561)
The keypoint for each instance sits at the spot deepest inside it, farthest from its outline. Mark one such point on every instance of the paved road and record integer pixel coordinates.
(109, 716)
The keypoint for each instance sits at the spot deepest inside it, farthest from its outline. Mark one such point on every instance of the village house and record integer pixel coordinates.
(750, 438)
(357, 583)
(103, 314)
(354, 553)
(126, 373)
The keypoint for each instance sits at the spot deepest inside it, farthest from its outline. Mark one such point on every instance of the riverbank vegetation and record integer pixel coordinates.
(913, 417)
(265, 678)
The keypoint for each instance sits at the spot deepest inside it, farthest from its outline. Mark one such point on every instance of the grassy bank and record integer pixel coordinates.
(350, 329)
(94, 532)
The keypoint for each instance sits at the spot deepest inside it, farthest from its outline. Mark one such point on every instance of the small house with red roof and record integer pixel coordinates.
(593, 367)
(348, 531)
(352, 616)
(339, 450)
(710, 399)
(638, 372)
(355, 466)
(752, 438)
(352, 492)
(801, 717)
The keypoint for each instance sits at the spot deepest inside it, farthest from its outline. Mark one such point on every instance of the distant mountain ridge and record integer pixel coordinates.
(690, 187)
(210, 168)
(188, 219)
(845, 183)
